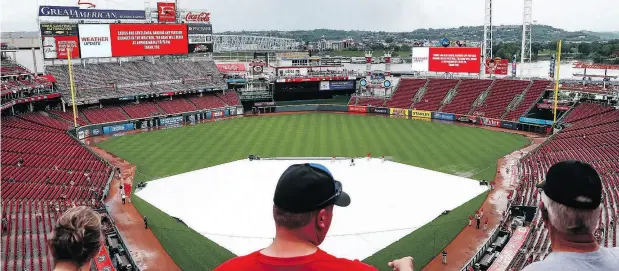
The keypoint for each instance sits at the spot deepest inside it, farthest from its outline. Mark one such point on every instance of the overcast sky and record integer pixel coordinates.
(385, 15)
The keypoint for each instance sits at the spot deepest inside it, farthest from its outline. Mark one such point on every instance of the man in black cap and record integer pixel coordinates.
(303, 209)
(570, 207)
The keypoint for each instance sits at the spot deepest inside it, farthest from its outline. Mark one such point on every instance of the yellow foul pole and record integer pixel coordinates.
(554, 108)
(72, 88)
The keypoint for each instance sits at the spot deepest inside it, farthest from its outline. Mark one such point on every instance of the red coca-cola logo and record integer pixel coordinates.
(198, 17)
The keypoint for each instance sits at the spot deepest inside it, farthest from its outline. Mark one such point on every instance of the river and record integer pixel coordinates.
(535, 69)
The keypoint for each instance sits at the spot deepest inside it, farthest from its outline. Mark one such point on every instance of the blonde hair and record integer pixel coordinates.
(77, 236)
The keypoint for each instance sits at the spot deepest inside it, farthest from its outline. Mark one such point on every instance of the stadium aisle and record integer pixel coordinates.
(470, 239)
(145, 249)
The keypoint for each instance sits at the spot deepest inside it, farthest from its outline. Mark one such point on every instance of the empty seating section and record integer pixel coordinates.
(230, 98)
(178, 105)
(47, 121)
(403, 97)
(467, 93)
(501, 94)
(207, 101)
(592, 137)
(142, 110)
(530, 98)
(69, 116)
(435, 93)
(106, 114)
(44, 172)
(113, 80)
(370, 101)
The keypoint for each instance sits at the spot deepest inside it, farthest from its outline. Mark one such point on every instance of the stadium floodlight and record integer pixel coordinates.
(527, 22)
(487, 46)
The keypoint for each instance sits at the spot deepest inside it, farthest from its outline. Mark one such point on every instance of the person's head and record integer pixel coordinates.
(571, 200)
(303, 202)
(77, 237)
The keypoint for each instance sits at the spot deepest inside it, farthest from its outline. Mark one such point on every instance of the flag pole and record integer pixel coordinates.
(72, 88)
(554, 108)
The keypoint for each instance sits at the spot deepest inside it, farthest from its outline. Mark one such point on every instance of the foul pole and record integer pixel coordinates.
(554, 108)
(72, 88)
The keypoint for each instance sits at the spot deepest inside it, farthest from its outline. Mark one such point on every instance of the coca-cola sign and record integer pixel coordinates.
(203, 17)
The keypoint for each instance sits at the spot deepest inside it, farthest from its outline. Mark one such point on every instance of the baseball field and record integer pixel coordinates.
(458, 150)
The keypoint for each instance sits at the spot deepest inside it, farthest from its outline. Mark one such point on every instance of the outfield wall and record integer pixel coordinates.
(157, 122)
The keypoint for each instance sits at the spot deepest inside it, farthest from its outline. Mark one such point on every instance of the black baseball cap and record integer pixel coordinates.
(308, 187)
(573, 184)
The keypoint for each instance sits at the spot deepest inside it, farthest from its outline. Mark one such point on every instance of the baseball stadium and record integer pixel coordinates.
(180, 152)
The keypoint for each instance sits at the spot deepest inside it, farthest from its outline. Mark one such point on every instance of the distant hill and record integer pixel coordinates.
(506, 33)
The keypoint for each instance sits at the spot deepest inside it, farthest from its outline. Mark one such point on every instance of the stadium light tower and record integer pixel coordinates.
(487, 46)
(527, 22)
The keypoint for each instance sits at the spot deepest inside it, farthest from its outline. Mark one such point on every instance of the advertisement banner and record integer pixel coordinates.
(421, 59)
(421, 114)
(443, 116)
(491, 122)
(218, 114)
(536, 121)
(95, 40)
(63, 45)
(550, 106)
(509, 125)
(380, 110)
(341, 85)
(231, 67)
(56, 29)
(199, 29)
(201, 48)
(357, 109)
(399, 112)
(103, 261)
(465, 118)
(166, 12)
(324, 85)
(418, 118)
(498, 66)
(94, 14)
(118, 128)
(172, 121)
(196, 17)
(148, 39)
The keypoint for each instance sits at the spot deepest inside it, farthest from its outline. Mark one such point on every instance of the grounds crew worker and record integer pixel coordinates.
(571, 207)
(303, 209)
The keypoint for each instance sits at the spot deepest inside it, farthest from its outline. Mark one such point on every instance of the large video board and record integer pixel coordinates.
(450, 59)
(122, 40)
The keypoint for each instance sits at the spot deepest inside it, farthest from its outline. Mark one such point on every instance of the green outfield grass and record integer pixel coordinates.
(458, 150)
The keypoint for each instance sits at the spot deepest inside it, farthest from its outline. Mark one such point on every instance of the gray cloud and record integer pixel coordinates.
(377, 15)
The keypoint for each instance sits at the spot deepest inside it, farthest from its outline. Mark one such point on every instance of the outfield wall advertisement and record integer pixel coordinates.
(421, 114)
(379, 110)
(443, 116)
(536, 121)
(118, 128)
(357, 109)
(491, 122)
(450, 59)
(399, 112)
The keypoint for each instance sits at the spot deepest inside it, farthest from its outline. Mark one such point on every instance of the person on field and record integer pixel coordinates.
(470, 220)
(145, 222)
(486, 223)
(303, 204)
(477, 220)
(352, 162)
(570, 207)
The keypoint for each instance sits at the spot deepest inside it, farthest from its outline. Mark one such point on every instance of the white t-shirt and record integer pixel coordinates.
(603, 259)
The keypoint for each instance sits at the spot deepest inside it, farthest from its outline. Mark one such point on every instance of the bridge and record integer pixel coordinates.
(240, 43)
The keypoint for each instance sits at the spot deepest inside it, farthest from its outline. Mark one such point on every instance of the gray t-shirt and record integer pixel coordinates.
(603, 259)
